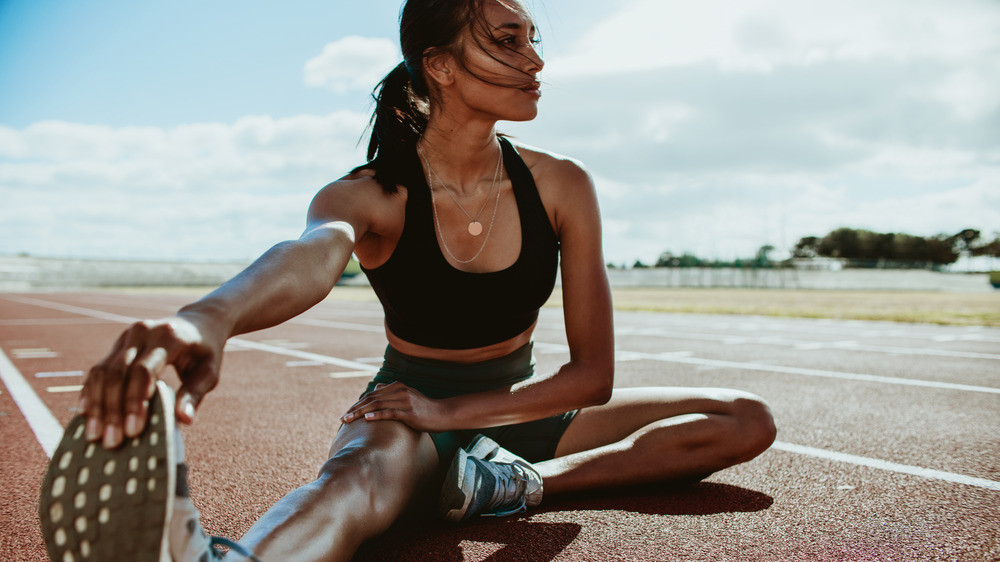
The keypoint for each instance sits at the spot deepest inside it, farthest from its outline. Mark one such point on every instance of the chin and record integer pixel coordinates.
(521, 114)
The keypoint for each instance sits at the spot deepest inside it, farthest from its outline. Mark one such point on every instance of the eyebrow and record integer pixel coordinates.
(515, 26)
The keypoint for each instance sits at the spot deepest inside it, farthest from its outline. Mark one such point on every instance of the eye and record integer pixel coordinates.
(516, 41)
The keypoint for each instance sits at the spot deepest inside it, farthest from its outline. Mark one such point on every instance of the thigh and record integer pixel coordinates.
(631, 409)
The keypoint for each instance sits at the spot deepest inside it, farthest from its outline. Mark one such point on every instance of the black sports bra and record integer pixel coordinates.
(430, 303)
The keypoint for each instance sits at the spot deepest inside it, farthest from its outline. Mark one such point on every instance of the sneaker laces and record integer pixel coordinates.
(509, 493)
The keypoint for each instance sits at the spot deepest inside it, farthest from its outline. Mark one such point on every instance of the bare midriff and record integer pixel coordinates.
(473, 355)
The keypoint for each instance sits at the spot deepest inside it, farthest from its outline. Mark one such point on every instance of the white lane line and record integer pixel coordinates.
(44, 425)
(48, 321)
(237, 342)
(801, 344)
(887, 465)
(34, 353)
(307, 355)
(73, 309)
(339, 325)
(67, 388)
(55, 374)
(351, 375)
(673, 358)
(302, 363)
(544, 348)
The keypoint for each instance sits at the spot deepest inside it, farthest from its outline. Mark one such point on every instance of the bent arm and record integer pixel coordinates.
(587, 378)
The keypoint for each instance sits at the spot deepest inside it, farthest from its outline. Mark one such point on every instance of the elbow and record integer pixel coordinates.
(603, 383)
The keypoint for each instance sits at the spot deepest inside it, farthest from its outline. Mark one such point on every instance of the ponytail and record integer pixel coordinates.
(396, 125)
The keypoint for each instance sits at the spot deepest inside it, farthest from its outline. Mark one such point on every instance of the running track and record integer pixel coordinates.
(889, 434)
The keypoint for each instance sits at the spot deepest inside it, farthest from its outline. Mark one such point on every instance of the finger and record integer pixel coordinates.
(365, 403)
(194, 387)
(385, 403)
(139, 387)
(387, 414)
(93, 406)
(92, 395)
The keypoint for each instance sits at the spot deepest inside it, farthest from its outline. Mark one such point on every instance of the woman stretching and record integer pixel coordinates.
(460, 232)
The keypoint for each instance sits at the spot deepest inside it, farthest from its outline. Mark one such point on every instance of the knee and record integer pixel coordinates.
(359, 471)
(757, 430)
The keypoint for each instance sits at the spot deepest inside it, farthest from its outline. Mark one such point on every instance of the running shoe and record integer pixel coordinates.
(486, 479)
(105, 505)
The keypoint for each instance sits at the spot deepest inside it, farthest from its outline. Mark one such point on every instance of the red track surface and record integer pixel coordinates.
(888, 434)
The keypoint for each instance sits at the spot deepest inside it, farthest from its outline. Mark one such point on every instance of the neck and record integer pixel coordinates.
(463, 155)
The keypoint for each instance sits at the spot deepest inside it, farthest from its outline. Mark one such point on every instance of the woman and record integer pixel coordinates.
(460, 232)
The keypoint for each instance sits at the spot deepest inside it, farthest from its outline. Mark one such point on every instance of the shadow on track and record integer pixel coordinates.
(518, 538)
(701, 498)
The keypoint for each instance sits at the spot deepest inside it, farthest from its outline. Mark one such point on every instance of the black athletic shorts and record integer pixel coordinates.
(535, 441)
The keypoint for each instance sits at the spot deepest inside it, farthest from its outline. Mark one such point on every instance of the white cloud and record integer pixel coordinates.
(352, 63)
(721, 126)
(758, 36)
(197, 191)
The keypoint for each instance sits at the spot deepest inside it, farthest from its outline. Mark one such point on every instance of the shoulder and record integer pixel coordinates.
(552, 168)
(565, 186)
(355, 198)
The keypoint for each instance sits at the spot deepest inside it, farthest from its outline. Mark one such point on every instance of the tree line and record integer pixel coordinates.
(865, 248)
(861, 248)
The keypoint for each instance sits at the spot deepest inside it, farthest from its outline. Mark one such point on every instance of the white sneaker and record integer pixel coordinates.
(486, 479)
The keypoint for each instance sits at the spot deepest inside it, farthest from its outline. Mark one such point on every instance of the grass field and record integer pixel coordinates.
(971, 309)
(966, 309)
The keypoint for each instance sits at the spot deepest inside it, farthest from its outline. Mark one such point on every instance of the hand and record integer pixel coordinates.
(396, 401)
(115, 396)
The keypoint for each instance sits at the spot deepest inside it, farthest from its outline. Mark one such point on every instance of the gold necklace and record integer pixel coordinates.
(475, 227)
(437, 222)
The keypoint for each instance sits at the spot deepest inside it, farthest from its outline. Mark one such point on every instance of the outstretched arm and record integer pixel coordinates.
(288, 279)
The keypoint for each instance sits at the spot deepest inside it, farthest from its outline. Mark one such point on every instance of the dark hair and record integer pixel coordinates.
(402, 98)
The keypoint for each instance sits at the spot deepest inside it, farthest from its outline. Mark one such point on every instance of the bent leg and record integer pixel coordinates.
(658, 434)
(375, 471)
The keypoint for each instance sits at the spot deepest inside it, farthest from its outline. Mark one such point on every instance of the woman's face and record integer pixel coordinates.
(501, 63)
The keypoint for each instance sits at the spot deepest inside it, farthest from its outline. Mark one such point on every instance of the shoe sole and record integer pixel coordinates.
(456, 495)
(101, 505)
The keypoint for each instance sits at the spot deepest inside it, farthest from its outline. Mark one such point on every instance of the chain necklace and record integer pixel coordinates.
(475, 227)
(472, 230)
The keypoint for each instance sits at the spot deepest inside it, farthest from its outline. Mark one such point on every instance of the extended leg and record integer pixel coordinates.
(374, 472)
(658, 434)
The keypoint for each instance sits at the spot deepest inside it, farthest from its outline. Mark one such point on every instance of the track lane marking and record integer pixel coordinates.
(886, 465)
(802, 344)
(552, 348)
(804, 371)
(47, 429)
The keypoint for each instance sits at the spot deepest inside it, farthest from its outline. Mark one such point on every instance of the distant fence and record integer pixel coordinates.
(18, 273)
(29, 273)
(788, 278)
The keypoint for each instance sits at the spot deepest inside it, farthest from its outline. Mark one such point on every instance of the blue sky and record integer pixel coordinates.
(200, 130)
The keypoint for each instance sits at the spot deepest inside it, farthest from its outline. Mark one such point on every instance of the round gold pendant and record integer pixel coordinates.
(475, 228)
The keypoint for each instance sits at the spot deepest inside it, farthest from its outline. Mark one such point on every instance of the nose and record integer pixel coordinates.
(533, 60)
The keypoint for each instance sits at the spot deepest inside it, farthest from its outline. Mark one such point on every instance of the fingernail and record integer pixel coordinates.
(370, 416)
(112, 436)
(188, 408)
(132, 425)
(93, 429)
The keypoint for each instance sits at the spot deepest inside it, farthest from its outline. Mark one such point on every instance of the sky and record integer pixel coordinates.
(192, 130)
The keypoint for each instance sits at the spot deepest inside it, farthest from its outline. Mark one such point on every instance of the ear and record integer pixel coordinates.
(439, 67)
